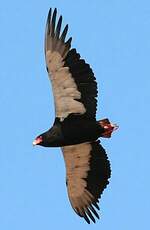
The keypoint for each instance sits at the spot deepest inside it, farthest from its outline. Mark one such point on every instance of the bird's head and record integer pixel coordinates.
(50, 138)
(43, 139)
(38, 140)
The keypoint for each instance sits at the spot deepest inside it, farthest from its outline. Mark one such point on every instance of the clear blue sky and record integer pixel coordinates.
(114, 37)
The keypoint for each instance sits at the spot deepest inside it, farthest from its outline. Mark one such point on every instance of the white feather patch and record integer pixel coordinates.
(64, 87)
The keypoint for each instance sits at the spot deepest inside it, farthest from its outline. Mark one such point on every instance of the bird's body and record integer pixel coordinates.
(72, 131)
(75, 128)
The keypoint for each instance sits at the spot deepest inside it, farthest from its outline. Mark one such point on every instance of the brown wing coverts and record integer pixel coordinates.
(85, 81)
(88, 171)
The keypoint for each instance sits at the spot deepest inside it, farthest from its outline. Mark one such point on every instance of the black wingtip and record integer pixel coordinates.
(86, 218)
(94, 211)
(58, 28)
(63, 36)
(69, 41)
(53, 22)
(55, 11)
(48, 20)
(60, 19)
(49, 14)
(96, 205)
(90, 215)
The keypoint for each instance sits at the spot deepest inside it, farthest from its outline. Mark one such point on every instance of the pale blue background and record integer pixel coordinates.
(114, 37)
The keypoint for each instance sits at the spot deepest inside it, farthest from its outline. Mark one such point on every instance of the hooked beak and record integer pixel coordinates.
(34, 143)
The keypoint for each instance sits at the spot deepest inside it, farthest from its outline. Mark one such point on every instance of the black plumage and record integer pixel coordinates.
(75, 128)
(85, 81)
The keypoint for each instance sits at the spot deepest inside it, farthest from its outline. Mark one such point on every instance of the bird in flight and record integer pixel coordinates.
(75, 128)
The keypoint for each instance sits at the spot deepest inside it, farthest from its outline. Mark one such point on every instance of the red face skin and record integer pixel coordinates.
(38, 140)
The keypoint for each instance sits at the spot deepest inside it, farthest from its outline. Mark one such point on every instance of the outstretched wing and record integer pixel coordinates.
(73, 82)
(87, 172)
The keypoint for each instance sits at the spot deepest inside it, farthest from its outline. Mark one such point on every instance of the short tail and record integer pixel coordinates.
(108, 127)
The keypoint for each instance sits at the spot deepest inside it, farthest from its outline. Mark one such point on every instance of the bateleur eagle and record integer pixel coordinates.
(75, 128)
